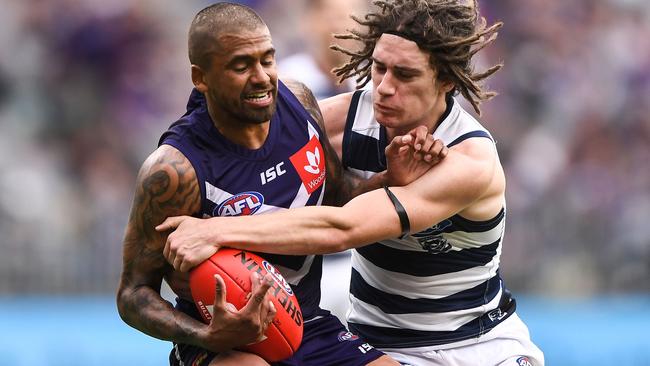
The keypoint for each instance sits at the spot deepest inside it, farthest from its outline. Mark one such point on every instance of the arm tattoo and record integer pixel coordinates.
(166, 186)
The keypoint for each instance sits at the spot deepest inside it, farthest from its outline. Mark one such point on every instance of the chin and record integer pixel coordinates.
(387, 121)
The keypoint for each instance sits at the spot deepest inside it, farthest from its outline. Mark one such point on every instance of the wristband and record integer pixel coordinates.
(401, 212)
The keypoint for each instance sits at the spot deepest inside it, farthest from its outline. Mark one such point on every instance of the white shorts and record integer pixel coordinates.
(508, 344)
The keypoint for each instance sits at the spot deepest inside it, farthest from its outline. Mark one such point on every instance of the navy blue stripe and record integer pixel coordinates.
(314, 196)
(381, 148)
(352, 111)
(364, 153)
(426, 264)
(468, 135)
(459, 223)
(402, 338)
(396, 304)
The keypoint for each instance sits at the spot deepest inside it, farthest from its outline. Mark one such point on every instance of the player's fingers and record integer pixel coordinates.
(166, 251)
(185, 265)
(258, 293)
(421, 133)
(267, 316)
(437, 148)
(178, 261)
(272, 311)
(170, 223)
(429, 143)
(437, 152)
(219, 294)
(396, 144)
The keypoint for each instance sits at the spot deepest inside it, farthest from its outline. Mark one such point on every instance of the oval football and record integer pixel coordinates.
(284, 335)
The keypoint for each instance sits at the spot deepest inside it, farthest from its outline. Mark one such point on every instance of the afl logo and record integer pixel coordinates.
(347, 336)
(277, 277)
(245, 203)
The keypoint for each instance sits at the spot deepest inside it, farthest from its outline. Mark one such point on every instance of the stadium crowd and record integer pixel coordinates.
(87, 86)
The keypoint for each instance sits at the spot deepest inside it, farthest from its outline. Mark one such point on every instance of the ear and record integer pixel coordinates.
(447, 86)
(198, 79)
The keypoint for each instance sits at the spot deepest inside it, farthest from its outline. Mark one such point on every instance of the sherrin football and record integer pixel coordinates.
(284, 334)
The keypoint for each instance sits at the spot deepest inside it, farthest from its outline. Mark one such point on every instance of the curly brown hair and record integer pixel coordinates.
(451, 31)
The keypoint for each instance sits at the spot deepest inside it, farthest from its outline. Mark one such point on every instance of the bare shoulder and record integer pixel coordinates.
(480, 148)
(306, 98)
(335, 111)
(166, 186)
(467, 171)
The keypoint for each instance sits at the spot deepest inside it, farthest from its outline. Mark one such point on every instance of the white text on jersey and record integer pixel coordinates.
(272, 173)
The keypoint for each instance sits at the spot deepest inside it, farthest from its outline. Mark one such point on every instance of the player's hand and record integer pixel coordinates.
(189, 244)
(230, 327)
(411, 155)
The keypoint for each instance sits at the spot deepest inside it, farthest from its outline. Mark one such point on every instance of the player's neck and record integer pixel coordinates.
(249, 135)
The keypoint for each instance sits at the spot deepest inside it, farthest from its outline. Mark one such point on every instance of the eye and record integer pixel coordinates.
(268, 62)
(379, 68)
(404, 76)
(240, 68)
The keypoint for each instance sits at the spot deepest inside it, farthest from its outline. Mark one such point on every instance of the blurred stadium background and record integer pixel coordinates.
(87, 86)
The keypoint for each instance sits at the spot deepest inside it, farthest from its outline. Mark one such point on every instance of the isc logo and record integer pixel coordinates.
(272, 173)
(246, 203)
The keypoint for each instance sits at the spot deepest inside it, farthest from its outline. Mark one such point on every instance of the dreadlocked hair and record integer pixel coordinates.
(451, 31)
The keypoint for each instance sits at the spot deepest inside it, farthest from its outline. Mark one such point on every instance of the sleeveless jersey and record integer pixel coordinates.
(440, 287)
(287, 171)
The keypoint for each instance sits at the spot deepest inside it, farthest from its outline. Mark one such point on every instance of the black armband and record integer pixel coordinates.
(401, 212)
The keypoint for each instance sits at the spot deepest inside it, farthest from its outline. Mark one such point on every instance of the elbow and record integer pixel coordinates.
(123, 300)
(340, 240)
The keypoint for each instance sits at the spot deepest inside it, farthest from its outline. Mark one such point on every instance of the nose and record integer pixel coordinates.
(260, 75)
(386, 85)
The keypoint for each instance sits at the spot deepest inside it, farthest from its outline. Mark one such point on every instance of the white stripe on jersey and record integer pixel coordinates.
(294, 277)
(218, 195)
(361, 312)
(423, 287)
(461, 239)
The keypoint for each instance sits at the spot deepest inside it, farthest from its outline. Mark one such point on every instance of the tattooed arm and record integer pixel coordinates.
(340, 187)
(166, 186)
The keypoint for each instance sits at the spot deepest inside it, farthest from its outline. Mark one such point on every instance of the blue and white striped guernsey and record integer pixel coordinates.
(440, 287)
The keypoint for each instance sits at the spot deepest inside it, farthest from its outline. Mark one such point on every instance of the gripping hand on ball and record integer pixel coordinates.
(229, 327)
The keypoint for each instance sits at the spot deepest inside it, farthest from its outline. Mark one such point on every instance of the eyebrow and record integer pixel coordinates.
(247, 57)
(398, 67)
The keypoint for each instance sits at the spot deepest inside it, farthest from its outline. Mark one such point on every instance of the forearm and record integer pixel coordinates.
(299, 231)
(144, 309)
(310, 230)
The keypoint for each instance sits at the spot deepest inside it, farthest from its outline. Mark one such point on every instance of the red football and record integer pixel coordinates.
(235, 266)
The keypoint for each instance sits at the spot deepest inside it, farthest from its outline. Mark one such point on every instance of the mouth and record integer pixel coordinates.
(260, 98)
(383, 108)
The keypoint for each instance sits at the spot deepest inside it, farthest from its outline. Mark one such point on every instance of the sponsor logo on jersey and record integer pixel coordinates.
(309, 162)
(245, 203)
(524, 361)
(431, 239)
(277, 277)
(497, 314)
(347, 336)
